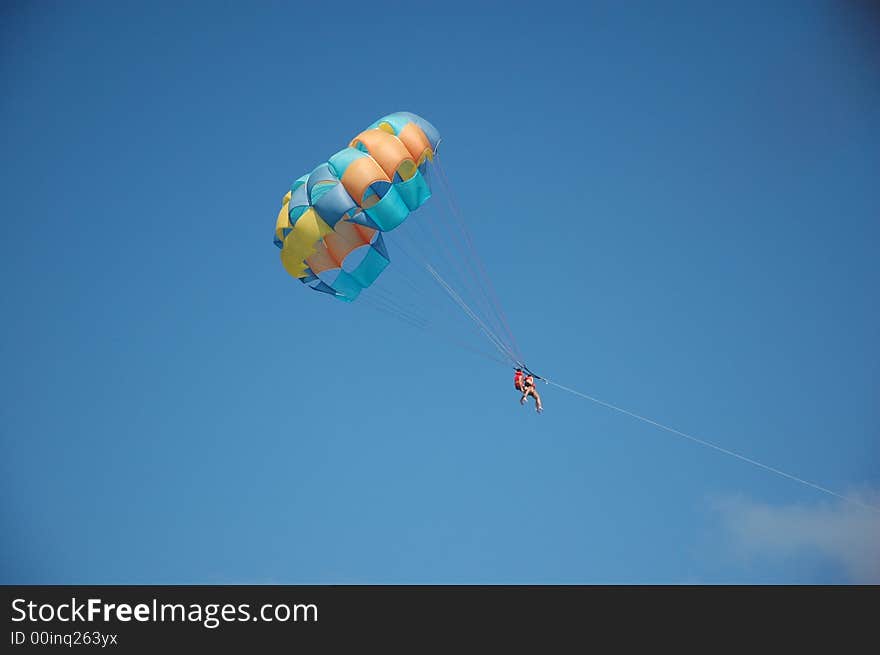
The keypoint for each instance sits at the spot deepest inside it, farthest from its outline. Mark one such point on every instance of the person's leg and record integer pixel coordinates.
(534, 393)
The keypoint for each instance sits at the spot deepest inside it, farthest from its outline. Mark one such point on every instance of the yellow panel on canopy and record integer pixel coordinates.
(300, 241)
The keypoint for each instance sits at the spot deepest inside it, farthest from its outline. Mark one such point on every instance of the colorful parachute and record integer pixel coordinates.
(331, 221)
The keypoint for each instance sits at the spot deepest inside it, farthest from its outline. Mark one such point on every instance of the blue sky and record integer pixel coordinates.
(677, 206)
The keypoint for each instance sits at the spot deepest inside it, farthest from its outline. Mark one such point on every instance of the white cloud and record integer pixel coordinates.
(846, 533)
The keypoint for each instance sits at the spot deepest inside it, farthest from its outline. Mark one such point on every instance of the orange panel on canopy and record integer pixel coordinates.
(360, 174)
(416, 142)
(365, 232)
(320, 260)
(386, 149)
(343, 240)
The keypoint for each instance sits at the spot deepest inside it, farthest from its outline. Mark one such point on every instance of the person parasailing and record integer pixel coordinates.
(518, 379)
(524, 382)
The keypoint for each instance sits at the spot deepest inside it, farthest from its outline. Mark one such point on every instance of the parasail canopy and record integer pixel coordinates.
(331, 221)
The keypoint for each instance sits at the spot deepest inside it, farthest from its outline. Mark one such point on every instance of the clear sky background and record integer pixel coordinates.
(678, 204)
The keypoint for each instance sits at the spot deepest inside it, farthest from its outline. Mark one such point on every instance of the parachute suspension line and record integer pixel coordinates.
(421, 262)
(378, 295)
(413, 289)
(372, 304)
(404, 305)
(715, 447)
(498, 343)
(490, 315)
(424, 326)
(459, 344)
(447, 256)
(472, 280)
(388, 308)
(450, 291)
(491, 335)
(493, 297)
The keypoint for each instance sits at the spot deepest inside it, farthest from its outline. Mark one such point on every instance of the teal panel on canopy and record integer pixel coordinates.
(346, 285)
(415, 191)
(389, 212)
(370, 268)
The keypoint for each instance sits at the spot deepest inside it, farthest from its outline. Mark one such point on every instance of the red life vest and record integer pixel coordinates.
(517, 380)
